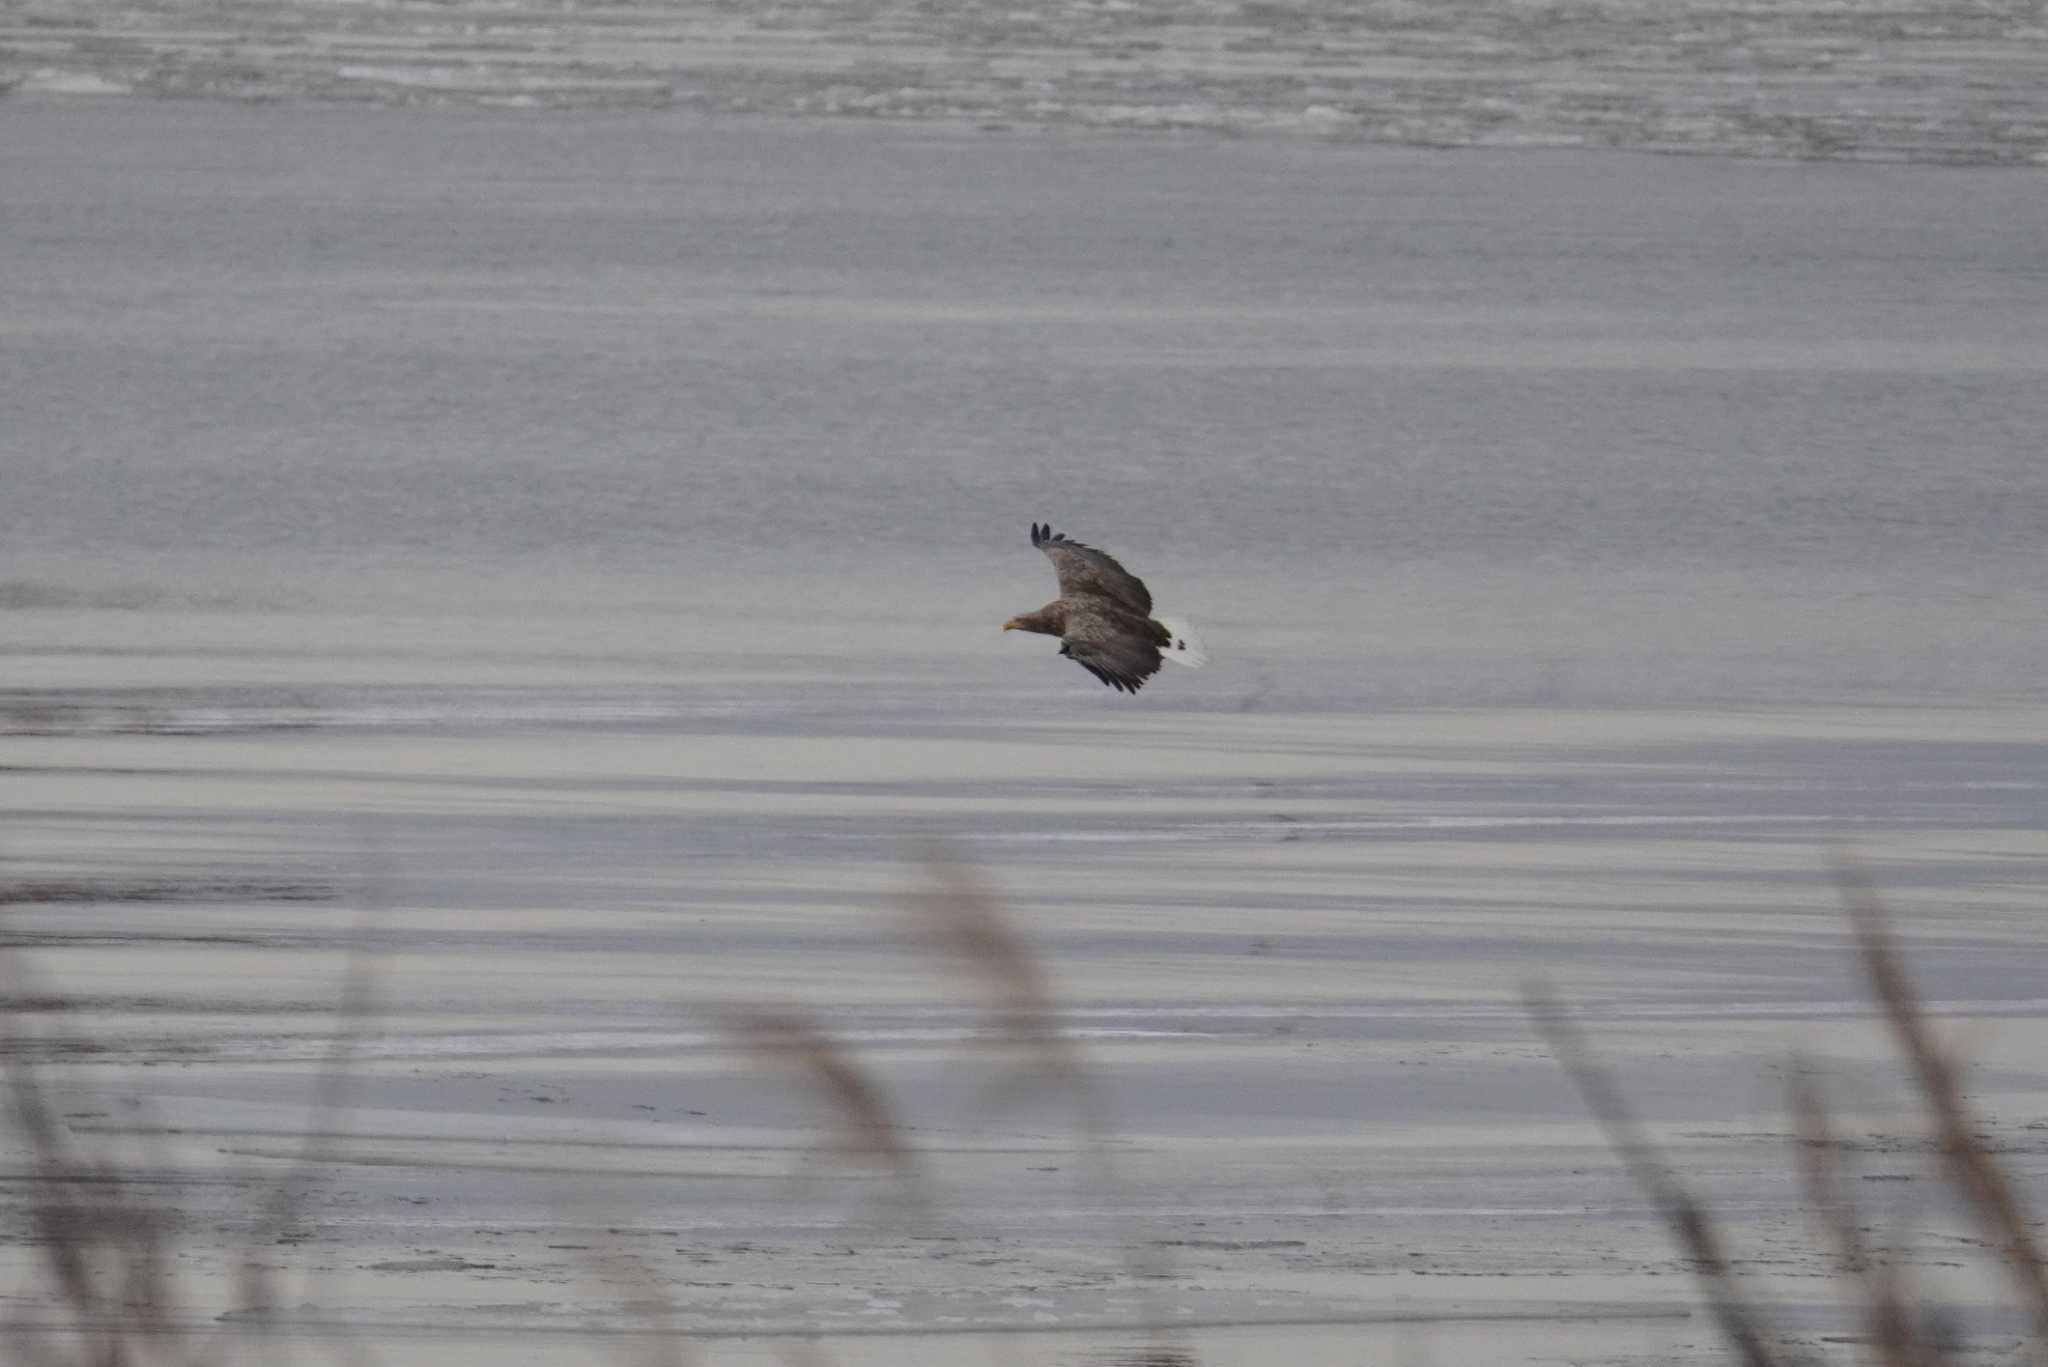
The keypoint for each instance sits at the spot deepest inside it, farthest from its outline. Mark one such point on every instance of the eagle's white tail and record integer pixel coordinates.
(1186, 647)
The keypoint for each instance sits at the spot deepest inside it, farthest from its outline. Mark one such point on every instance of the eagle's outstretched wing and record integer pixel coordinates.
(1084, 571)
(1119, 652)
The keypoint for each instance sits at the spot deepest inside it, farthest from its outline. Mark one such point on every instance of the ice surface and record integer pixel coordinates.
(567, 556)
(1804, 78)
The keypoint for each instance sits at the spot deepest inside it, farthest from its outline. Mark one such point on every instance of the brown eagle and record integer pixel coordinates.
(1103, 617)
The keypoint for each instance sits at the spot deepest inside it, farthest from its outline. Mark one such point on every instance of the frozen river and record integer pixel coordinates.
(566, 556)
(1908, 80)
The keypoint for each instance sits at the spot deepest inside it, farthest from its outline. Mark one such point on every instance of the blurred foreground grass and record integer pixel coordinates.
(107, 1241)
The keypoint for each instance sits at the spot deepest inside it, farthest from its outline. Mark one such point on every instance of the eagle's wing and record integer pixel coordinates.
(1085, 571)
(1113, 651)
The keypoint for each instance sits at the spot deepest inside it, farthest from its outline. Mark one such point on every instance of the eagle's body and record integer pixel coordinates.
(1103, 616)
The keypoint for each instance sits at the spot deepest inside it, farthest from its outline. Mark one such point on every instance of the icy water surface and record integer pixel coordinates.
(1290, 950)
(565, 558)
(302, 398)
(1909, 80)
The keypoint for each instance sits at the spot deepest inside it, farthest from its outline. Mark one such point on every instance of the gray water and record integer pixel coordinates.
(1908, 80)
(572, 398)
(565, 556)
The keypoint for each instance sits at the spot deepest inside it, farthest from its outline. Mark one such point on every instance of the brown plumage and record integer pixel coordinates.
(1103, 616)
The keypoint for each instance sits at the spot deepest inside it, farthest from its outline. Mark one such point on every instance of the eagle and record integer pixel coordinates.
(1103, 617)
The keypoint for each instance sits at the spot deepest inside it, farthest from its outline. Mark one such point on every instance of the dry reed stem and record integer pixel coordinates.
(1885, 1302)
(1971, 1167)
(1741, 1324)
(107, 1254)
(969, 923)
(651, 1301)
(868, 1124)
(334, 1084)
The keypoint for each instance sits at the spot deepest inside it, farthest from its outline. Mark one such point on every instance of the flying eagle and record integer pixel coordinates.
(1103, 617)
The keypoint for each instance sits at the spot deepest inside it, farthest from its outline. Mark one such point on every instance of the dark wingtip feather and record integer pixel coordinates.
(1122, 683)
